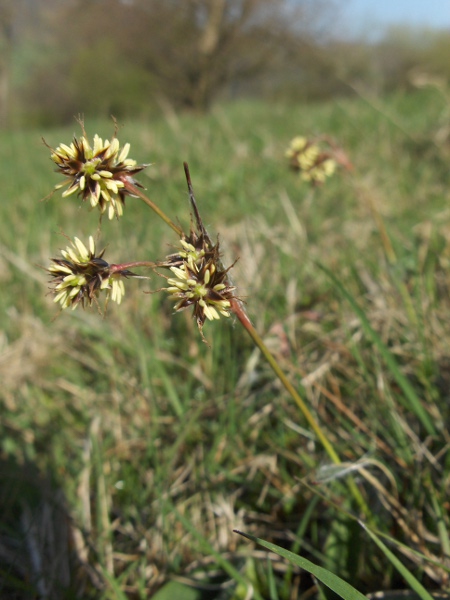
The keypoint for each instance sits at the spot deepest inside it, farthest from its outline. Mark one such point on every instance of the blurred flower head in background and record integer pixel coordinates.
(313, 161)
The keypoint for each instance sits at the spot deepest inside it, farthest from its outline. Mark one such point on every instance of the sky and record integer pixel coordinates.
(369, 17)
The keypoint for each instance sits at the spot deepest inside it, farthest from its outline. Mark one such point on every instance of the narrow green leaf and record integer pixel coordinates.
(271, 582)
(441, 524)
(171, 390)
(415, 585)
(413, 402)
(114, 584)
(335, 583)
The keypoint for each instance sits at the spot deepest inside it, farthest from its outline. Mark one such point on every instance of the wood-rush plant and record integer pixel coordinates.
(103, 175)
(316, 159)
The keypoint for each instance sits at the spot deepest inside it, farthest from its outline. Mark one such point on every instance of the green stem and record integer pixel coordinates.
(245, 321)
(240, 313)
(137, 192)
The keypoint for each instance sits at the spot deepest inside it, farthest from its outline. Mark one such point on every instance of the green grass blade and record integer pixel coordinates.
(400, 545)
(415, 585)
(413, 401)
(171, 390)
(441, 524)
(271, 582)
(335, 583)
(114, 584)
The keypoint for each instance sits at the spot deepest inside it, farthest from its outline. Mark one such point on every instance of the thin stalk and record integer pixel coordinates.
(137, 192)
(131, 265)
(243, 318)
(240, 313)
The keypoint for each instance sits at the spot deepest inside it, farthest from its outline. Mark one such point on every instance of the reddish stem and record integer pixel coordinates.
(131, 265)
(239, 311)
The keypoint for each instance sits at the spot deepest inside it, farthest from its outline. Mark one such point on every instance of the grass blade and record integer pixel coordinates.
(114, 584)
(413, 401)
(271, 582)
(335, 583)
(415, 585)
(441, 524)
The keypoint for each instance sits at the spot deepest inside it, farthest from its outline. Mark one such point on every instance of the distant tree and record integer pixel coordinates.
(120, 56)
(231, 44)
(405, 51)
(7, 19)
(197, 47)
(123, 57)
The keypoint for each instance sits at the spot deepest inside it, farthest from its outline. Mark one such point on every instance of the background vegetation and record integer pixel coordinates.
(130, 450)
(135, 58)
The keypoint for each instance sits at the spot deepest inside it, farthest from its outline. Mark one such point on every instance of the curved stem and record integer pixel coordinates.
(243, 318)
(239, 311)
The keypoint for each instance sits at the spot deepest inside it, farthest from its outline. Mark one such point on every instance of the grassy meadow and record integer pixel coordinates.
(130, 450)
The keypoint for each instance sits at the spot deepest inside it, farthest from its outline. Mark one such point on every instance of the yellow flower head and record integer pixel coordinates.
(97, 173)
(310, 161)
(199, 280)
(81, 274)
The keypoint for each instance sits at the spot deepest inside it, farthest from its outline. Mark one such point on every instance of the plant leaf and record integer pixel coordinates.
(415, 585)
(335, 583)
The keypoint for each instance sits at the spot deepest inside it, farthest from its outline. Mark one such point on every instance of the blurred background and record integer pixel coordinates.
(129, 449)
(133, 58)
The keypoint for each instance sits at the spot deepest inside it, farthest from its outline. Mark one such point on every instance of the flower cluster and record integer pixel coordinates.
(313, 164)
(81, 274)
(98, 173)
(199, 279)
(102, 174)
